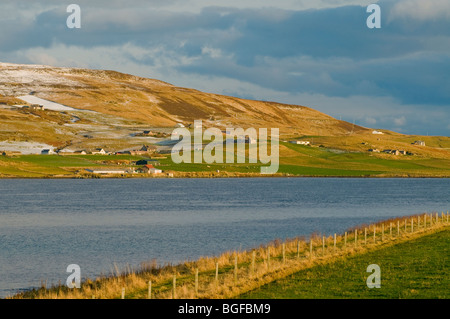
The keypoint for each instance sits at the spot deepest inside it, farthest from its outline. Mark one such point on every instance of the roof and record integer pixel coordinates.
(149, 166)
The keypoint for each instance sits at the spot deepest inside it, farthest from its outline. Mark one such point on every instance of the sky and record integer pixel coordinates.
(319, 53)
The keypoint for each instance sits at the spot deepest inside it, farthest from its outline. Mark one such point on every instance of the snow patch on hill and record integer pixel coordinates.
(24, 147)
(18, 79)
(49, 105)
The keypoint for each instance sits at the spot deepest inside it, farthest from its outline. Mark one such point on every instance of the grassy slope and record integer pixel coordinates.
(126, 102)
(160, 104)
(413, 269)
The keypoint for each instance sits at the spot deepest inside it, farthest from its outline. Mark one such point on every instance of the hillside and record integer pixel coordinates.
(159, 104)
(89, 109)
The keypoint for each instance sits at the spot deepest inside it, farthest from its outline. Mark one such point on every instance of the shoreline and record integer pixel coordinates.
(232, 177)
(286, 258)
(188, 175)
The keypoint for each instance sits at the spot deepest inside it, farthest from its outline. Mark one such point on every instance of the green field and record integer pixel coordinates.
(413, 269)
(294, 160)
(51, 165)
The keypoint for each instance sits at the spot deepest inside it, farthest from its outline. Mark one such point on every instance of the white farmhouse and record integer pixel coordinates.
(300, 142)
(99, 151)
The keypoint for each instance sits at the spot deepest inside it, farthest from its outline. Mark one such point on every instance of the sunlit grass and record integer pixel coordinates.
(239, 272)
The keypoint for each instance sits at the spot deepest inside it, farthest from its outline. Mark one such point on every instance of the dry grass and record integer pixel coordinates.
(255, 267)
(123, 100)
(163, 105)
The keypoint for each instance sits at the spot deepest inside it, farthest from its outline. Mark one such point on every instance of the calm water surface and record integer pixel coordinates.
(45, 225)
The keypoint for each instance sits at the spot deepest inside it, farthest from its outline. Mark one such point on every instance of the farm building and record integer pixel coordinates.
(99, 151)
(48, 152)
(145, 149)
(37, 107)
(148, 161)
(300, 142)
(107, 171)
(149, 169)
(396, 152)
(420, 143)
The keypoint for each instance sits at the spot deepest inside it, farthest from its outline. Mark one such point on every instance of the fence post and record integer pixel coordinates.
(123, 293)
(405, 225)
(323, 245)
(365, 235)
(398, 228)
(390, 230)
(253, 262)
(345, 240)
(235, 269)
(356, 237)
(374, 233)
(217, 273)
(283, 247)
(196, 282)
(149, 295)
(382, 232)
(310, 247)
(334, 247)
(412, 225)
(425, 221)
(298, 249)
(174, 287)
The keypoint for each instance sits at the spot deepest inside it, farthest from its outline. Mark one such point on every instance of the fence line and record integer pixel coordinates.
(278, 261)
(233, 271)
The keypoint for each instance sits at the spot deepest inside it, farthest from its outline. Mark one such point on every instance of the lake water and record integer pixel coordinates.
(45, 224)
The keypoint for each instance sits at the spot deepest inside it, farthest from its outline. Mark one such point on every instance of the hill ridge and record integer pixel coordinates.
(159, 103)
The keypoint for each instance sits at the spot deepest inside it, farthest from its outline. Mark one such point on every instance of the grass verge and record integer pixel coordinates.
(414, 269)
(235, 274)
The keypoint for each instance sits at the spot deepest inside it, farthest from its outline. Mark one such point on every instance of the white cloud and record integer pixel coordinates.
(170, 41)
(400, 121)
(198, 5)
(213, 53)
(192, 6)
(370, 120)
(383, 111)
(421, 9)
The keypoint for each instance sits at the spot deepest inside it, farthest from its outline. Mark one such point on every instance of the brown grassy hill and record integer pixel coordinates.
(125, 104)
(160, 104)
(10, 100)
